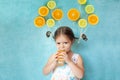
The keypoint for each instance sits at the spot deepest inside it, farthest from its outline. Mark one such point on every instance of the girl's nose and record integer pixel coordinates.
(62, 46)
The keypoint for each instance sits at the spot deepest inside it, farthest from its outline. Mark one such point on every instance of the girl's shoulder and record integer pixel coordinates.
(76, 57)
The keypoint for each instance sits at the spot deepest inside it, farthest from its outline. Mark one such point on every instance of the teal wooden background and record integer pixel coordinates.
(24, 49)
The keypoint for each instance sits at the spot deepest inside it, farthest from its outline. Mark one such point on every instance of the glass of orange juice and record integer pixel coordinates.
(60, 58)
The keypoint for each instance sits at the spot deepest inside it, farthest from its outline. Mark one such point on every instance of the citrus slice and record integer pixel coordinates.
(51, 4)
(39, 21)
(93, 19)
(43, 11)
(50, 22)
(57, 14)
(73, 14)
(82, 23)
(89, 9)
(82, 1)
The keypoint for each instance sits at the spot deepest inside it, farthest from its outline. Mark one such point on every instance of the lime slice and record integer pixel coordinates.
(50, 22)
(82, 23)
(89, 9)
(82, 1)
(51, 4)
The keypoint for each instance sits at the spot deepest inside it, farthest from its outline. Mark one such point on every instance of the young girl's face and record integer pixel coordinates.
(63, 43)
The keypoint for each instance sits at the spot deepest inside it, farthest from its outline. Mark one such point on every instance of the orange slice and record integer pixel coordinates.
(39, 21)
(43, 11)
(82, 1)
(73, 14)
(57, 14)
(93, 19)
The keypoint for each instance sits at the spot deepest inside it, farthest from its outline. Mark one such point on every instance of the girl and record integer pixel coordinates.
(73, 68)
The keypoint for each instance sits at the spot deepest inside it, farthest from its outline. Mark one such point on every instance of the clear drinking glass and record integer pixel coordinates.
(60, 59)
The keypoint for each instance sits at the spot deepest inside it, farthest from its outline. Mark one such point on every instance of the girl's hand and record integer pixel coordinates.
(53, 63)
(54, 59)
(66, 58)
(55, 56)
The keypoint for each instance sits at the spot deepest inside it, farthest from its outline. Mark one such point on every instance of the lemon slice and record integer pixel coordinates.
(57, 14)
(89, 9)
(82, 23)
(93, 19)
(43, 11)
(82, 1)
(73, 14)
(50, 22)
(51, 4)
(39, 21)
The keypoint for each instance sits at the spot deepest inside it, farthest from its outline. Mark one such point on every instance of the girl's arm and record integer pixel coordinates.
(51, 65)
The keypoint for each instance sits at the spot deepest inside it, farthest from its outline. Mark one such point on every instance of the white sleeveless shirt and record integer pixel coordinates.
(64, 72)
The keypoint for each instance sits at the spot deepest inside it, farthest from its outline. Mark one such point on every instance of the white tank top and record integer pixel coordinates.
(64, 72)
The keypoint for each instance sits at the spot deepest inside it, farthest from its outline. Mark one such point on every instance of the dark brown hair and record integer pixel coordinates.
(65, 31)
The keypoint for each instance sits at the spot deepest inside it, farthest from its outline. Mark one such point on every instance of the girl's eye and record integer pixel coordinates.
(65, 42)
(58, 43)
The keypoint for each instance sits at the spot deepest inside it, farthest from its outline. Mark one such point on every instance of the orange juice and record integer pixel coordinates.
(60, 59)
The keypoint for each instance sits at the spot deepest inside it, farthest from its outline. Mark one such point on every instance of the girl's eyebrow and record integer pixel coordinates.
(62, 42)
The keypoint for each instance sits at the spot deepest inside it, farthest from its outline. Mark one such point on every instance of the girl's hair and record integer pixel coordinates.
(64, 30)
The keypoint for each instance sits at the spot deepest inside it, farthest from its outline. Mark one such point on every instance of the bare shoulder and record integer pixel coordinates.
(80, 58)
